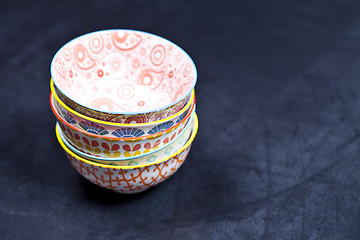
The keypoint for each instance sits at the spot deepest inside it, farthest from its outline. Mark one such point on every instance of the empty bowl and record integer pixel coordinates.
(123, 76)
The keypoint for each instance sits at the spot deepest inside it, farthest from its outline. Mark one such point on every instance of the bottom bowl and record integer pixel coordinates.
(130, 179)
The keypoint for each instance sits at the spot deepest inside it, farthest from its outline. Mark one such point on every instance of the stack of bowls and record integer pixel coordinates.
(125, 107)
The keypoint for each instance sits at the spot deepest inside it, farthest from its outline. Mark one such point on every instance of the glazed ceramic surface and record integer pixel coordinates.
(123, 148)
(106, 129)
(125, 118)
(125, 142)
(129, 179)
(144, 72)
(156, 155)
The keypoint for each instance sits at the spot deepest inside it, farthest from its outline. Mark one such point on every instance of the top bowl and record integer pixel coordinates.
(122, 75)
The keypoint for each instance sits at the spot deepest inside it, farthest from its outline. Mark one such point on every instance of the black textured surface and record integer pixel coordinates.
(278, 97)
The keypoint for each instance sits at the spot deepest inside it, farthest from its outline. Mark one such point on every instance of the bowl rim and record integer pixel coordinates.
(128, 30)
(117, 138)
(80, 115)
(86, 155)
(187, 144)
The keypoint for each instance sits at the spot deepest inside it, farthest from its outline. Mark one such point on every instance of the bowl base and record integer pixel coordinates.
(131, 192)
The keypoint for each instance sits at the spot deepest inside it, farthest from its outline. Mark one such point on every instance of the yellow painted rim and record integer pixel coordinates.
(195, 130)
(118, 124)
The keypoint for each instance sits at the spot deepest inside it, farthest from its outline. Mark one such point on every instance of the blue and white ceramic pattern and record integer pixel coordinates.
(154, 156)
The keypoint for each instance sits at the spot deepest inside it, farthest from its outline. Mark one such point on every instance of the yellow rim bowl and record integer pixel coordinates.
(114, 123)
(191, 139)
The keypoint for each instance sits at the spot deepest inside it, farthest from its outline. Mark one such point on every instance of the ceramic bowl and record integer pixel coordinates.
(122, 118)
(107, 129)
(124, 149)
(150, 76)
(126, 142)
(164, 152)
(130, 179)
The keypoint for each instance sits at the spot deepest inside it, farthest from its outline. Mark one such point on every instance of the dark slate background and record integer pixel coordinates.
(278, 99)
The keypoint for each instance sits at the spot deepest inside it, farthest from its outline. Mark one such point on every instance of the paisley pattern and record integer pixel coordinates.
(96, 43)
(144, 72)
(150, 78)
(157, 55)
(126, 40)
(82, 57)
(67, 53)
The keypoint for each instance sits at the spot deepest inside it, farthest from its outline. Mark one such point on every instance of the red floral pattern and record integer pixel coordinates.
(146, 73)
(129, 180)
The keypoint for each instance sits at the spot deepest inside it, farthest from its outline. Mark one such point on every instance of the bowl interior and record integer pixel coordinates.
(123, 71)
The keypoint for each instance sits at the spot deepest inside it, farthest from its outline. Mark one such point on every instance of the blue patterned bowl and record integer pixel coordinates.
(125, 142)
(155, 155)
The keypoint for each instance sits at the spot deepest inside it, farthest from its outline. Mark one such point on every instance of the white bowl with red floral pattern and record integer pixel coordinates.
(130, 179)
(123, 76)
